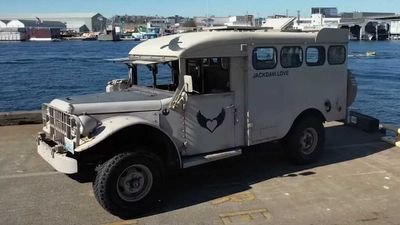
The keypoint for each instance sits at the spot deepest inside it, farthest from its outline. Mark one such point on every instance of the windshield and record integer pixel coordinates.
(163, 76)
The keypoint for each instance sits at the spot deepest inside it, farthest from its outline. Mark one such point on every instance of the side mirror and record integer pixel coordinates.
(188, 85)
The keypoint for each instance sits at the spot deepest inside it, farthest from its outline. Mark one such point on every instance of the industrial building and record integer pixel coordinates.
(79, 22)
(3, 23)
(328, 12)
(34, 30)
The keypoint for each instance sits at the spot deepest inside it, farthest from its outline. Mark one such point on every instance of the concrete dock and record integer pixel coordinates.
(356, 182)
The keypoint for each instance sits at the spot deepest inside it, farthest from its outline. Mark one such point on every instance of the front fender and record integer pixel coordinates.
(110, 126)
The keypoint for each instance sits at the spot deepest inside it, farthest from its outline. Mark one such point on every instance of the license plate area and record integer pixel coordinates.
(69, 145)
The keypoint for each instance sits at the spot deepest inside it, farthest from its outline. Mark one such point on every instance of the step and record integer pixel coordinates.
(198, 160)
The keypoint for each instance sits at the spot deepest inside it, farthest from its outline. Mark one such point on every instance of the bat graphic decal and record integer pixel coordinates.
(211, 124)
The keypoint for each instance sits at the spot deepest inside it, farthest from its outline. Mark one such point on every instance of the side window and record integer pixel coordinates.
(264, 58)
(209, 75)
(336, 55)
(315, 56)
(291, 57)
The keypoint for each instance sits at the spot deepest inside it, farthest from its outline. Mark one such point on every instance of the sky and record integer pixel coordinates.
(189, 8)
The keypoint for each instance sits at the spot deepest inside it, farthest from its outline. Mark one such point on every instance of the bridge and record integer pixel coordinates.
(372, 28)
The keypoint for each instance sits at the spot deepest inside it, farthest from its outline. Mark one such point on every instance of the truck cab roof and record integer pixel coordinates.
(219, 43)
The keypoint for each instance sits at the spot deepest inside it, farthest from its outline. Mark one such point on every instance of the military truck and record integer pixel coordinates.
(226, 91)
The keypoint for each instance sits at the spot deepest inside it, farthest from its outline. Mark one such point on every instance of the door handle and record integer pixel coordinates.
(230, 106)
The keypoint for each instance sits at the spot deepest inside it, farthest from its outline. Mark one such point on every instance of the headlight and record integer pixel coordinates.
(45, 115)
(87, 125)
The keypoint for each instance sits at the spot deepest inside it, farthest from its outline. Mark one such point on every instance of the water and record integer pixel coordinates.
(378, 79)
(32, 73)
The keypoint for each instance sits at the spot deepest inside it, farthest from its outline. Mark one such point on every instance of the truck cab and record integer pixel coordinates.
(194, 98)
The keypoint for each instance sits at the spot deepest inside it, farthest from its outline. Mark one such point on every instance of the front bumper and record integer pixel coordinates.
(59, 161)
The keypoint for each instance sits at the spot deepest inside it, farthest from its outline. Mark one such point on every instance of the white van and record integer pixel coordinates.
(227, 91)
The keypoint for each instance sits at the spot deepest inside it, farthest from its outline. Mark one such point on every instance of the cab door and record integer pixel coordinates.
(209, 112)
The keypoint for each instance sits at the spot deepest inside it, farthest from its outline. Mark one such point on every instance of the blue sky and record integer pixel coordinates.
(193, 7)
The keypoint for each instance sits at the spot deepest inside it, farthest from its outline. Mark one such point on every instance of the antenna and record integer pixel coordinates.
(287, 12)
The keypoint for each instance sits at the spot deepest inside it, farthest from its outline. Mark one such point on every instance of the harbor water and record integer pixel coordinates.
(32, 73)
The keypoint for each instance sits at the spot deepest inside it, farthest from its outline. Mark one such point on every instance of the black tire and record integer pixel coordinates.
(131, 169)
(305, 141)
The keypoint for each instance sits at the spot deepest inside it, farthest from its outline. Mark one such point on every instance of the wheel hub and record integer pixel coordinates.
(308, 141)
(134, 183)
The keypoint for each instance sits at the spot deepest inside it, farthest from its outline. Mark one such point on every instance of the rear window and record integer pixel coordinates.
(336, 55)
(264, 58)
(291, 57)
(315, 56)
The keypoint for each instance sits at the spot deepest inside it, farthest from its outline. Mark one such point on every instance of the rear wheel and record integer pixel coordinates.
(129, 182)
(305, 141)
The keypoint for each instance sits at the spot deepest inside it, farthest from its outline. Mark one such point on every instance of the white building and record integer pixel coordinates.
(80, 22)
(36, 24)
(21, 23)
(161, 23)
(395, 29)
(247, 20)
(3, 24)
(204, 21)
(213, 21)
(316, 22)
(279, 24)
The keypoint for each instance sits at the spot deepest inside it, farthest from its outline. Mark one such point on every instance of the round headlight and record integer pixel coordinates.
(87, 125)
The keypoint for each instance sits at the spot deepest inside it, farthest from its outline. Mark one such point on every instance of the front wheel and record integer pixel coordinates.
(129, 182)
(305, 141)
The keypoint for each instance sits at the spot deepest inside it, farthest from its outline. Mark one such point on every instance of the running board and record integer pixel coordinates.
(198, 160)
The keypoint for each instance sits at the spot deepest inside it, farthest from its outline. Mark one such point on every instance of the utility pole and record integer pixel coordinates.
(298, 17)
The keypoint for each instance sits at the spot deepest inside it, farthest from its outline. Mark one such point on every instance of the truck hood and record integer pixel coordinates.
(113, 102)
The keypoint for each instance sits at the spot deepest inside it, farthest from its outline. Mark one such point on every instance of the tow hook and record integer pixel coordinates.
(58, 149)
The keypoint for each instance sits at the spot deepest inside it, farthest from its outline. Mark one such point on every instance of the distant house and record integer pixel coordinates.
(79, 22)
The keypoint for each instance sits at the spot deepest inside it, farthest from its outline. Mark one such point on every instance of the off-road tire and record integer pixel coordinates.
(105, 183)
(308, 127)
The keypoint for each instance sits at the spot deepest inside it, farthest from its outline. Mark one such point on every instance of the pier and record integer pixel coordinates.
(356, 182)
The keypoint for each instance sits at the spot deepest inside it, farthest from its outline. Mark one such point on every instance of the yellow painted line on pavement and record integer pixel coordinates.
(247, 216)
(124, 222)
(239, 197)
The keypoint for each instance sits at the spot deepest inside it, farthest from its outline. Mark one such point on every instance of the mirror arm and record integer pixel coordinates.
(177, 99)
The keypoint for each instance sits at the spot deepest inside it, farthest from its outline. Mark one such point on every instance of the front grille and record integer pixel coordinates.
(60, 124)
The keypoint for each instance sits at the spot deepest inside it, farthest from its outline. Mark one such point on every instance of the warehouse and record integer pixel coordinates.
(79, 22)
(34, 30)
(3, 24)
